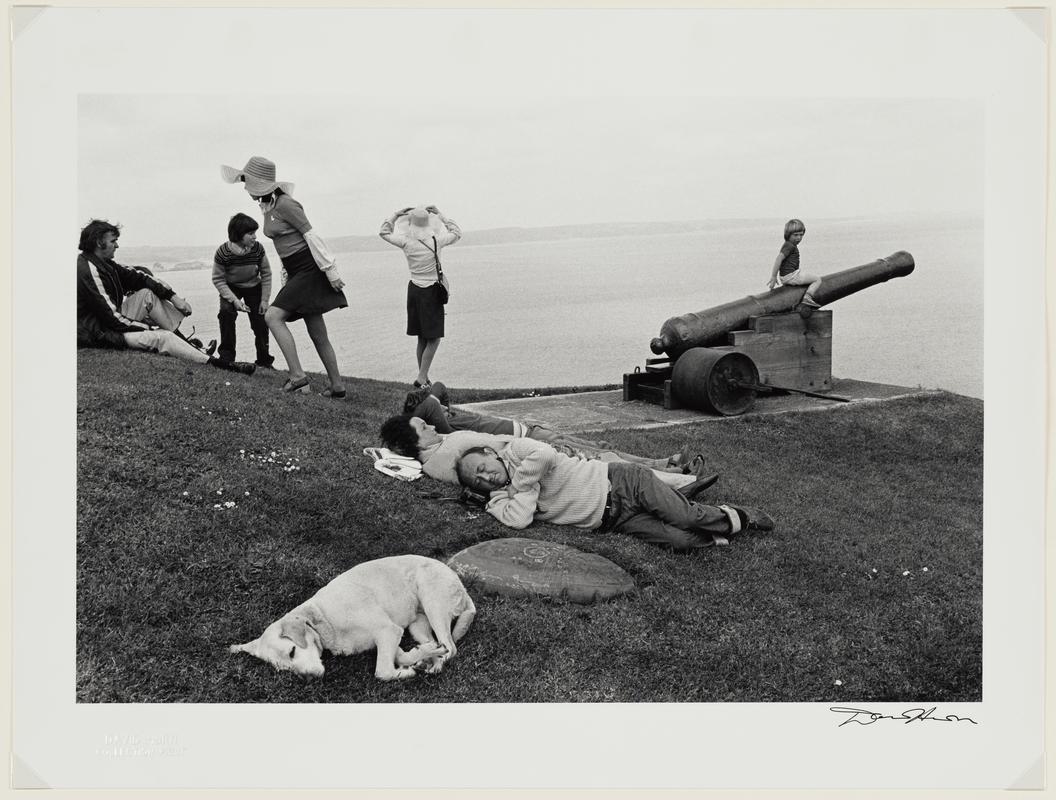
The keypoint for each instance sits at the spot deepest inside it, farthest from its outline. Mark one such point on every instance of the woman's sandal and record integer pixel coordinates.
(299, 385)
(696, 465)
(681, 459)
(331, 393)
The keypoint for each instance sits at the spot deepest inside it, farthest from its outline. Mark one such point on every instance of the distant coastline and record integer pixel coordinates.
(180, 258)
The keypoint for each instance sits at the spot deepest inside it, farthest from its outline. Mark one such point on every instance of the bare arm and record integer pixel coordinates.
(773, 272)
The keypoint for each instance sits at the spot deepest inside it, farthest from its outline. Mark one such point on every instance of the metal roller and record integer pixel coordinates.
(714, 380)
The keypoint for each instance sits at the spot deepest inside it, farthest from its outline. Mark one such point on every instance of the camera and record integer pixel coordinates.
(469, 497)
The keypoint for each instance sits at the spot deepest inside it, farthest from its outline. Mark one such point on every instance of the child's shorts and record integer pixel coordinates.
(791, 279)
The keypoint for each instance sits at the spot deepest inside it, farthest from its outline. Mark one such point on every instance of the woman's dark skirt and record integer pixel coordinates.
(307, 291)
(425, 312)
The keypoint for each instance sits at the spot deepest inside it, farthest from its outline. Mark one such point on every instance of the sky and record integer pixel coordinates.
(152, 161)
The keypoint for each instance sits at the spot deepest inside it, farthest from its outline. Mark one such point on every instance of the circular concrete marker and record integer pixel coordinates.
(528, 567)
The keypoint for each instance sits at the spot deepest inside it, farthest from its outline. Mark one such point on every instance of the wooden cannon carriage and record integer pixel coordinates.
(718, 360)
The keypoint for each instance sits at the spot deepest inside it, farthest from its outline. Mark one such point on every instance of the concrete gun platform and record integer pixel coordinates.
(589, 412)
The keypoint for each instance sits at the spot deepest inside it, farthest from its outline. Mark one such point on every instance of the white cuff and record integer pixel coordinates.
(735, 518)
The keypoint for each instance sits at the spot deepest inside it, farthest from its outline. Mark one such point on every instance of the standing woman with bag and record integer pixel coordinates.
(427, 291)
(313, 286)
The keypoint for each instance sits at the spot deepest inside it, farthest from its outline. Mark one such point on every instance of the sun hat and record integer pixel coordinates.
(419, 216)
(258, 175)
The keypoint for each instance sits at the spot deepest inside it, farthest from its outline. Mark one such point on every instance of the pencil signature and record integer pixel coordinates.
(863, 717)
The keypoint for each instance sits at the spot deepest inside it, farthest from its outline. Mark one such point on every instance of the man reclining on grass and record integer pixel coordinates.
(413, 437)
(431, 405)
(528, 480)
(119, 306)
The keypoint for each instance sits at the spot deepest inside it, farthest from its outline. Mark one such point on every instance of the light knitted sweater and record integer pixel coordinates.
(549, 486)
(420, 257)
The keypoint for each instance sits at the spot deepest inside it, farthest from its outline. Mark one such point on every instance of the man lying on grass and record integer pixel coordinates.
(528, 480)
(431, 404)
(413, 437)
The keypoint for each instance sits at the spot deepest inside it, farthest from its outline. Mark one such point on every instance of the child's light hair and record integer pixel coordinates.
(794, 226)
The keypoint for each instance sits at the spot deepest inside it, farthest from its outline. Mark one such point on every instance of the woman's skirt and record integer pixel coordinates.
(307, 290)
(425, 312)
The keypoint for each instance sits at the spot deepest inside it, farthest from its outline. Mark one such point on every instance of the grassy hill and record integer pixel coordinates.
(869, 589)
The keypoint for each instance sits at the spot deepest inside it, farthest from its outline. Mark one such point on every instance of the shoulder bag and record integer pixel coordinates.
(441, 287)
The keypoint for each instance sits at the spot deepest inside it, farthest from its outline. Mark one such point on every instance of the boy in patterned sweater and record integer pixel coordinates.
(242, 276)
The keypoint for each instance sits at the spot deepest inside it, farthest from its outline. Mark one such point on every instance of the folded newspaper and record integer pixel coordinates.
(400, 467)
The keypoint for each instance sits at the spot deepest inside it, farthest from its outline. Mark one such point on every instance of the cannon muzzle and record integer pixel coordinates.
(711, 326)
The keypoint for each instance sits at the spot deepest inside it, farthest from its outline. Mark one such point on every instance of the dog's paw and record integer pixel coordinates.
(431, 650)
(432, 667)
(397, 674)
(432, 656)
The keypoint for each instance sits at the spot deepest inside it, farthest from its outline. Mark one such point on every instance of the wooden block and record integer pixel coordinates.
(647, 386)
(788, 350)
(631, 382)
(649, 393)
(819, 322)
(670, 400)
(741, 338)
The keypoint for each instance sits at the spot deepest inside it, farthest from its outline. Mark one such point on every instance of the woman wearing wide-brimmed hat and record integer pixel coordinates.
(313, 286)
(421, 242)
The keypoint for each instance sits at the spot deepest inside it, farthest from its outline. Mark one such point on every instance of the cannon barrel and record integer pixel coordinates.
(710, 327)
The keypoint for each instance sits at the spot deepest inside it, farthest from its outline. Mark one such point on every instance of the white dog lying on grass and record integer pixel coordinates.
(370, 606)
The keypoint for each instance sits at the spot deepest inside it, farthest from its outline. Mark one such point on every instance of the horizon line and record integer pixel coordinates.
(667, 223)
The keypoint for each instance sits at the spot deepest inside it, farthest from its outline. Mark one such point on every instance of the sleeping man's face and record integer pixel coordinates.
(483, 472)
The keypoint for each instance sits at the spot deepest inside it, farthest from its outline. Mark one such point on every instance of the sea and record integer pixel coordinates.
(574, 311)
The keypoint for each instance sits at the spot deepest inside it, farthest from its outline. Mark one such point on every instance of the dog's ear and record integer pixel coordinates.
(294, 626)
(318, 622)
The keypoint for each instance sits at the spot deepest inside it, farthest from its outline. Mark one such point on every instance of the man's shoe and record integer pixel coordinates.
(439, 391)
(234, 366)
(752, 519)
(211, 348)
(691, 490)
(266, 364)
(414, 398)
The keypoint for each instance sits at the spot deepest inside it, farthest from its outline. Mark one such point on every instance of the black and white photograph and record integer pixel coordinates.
(634, 389)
